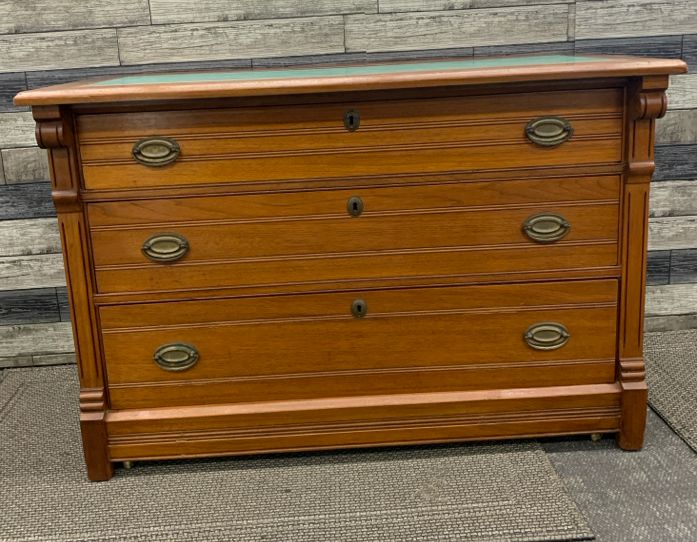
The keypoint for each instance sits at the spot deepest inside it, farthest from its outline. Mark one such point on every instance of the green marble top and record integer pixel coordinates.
(348, 71)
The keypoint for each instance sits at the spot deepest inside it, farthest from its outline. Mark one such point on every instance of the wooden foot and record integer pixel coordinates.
(633, 425)
(94, 443)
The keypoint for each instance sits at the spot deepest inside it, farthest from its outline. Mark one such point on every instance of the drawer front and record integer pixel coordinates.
(398, 232)
(395, 137)
(316, 345)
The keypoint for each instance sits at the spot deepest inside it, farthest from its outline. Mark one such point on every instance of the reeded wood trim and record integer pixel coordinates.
(646, 102)
(54, 131)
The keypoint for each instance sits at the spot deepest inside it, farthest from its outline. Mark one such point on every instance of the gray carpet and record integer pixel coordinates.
(479, 492)
(646, 496)
(671, 360)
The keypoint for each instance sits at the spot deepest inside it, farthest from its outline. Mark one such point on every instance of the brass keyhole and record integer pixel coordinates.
(359, 308)
(352, 120)
(354, 205)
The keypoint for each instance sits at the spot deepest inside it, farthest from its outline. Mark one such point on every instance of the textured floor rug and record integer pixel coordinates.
(671, 372)
(479, 492)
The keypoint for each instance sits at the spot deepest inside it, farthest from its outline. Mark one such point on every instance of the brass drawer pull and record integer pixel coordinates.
(165, 247)
(156, 151)
(352, 120)
(176, 356)
(354, 206)
(549, 131)
(546, 336)
(546, 227)
(359, 308)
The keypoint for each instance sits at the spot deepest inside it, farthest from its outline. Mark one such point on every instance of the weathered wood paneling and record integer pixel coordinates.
(2, 171)
(683, 267)
(25, 165)
(31, 339)
(620, 18)
(682, 93)
(32, 200)
(442, 29)
(674, 162)
(392, 6)
(29, 306)
(243, 39)
(185, 11)
(671, 299)
(29, 237)
(679, 126)
(561, 47)
(53, 50)
(44, 15)
(689, 49)
(671, 322)
(674, 198)
(22, 272)
(53, 359)
(11, 84)
(16, 129)
(63, 306)
(658, 267)
(672, 232)
(661, 46)
(55, 77)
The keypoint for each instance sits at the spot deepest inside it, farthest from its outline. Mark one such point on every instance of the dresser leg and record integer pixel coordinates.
(633, 424)
(94, 443)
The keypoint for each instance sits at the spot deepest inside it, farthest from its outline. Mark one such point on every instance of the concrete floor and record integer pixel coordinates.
(649, 495)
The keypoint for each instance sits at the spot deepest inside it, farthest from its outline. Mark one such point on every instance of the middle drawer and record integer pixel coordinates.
(344, 235)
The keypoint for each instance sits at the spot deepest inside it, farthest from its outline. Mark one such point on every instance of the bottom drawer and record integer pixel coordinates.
(360, 343)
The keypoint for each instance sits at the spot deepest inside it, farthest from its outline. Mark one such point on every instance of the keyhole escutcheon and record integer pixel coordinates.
(352, 120)
(359, 308)
(354, 206)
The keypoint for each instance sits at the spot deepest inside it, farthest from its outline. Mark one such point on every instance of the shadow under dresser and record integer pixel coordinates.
(378, 254)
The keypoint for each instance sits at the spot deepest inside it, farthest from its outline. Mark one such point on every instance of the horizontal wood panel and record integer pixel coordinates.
(378, 163)
(25, 165)
(399, 136)
(367, 233)
(391, 111)
(333, 202)
(35, 271)
(237, 39)
(357, 267)
(361, 421)
(443, 29)
(478, 297)
(398, 332)
(29, 237)
(311, 386)
(339, 141)
(31, 339)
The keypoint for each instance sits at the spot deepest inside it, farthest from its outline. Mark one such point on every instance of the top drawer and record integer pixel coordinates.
(334, 140)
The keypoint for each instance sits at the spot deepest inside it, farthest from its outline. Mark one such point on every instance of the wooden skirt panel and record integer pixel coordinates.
(312, 141)
(361, 421)
(335, 269)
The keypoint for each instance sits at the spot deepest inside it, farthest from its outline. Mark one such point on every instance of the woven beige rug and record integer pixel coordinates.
(671, 372)
(479, 492)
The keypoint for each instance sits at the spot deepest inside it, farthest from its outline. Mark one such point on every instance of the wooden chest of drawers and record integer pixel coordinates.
(367, 255)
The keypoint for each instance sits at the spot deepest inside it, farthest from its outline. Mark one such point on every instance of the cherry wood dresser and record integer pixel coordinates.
(348, 256)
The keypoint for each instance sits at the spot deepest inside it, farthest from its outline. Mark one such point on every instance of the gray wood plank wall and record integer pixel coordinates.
(54, 41)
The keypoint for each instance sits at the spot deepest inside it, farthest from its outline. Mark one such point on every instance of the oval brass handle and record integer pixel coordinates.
(176, 356)
(549, 131)
(156, 151)
(546, 228)
(352, 120)
(546, 336)
(359, 308)
(165, 247)
(354, 206)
